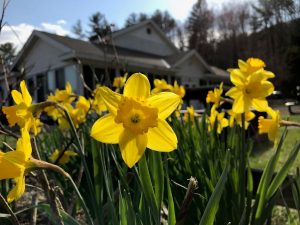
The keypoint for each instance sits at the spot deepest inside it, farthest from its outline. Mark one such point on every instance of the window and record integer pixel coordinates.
(202, 82)
(42, 87)
(60, 80)
(148, 30)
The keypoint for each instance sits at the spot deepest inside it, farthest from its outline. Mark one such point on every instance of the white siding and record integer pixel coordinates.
(190, 72)
(42, 57)
(141, 40)
(51, 81)
(72, 77)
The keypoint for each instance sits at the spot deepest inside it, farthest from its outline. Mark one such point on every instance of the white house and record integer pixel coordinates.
(50, 60)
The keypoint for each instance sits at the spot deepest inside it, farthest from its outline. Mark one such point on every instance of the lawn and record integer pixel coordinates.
(264, 150)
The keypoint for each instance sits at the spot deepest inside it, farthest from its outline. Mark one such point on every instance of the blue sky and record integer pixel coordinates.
(58, 16)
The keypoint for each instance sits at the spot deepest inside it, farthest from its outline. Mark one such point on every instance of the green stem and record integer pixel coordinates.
(81, 152)
(85, 208)
(242, 165)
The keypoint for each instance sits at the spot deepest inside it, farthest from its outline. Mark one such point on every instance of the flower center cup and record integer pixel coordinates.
(136, 116)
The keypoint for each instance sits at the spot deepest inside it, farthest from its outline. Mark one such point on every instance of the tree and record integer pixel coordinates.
(131, 20)
(134, 18)
(77, 30)
(7, 53)
(165, 22)
(99, 25)
(200, 27)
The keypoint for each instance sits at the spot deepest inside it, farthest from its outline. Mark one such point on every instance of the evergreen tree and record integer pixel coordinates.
(199, 27)
(99, 25)
(77, 30)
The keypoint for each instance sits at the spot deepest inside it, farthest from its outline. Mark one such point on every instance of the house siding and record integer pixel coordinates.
(190, 72)
(143, 41)
(42, 57)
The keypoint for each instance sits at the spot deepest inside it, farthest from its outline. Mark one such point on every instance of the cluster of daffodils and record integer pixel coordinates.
(66, 99)
(251, 87)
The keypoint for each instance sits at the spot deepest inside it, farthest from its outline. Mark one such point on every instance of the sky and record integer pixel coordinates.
(58, 16)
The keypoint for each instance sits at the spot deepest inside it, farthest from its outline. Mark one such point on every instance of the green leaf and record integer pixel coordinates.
(281, 175)
(211, 209)
(67, 219)
(147, 187)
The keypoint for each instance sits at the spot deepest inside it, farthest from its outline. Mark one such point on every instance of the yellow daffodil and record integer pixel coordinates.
(237, 117)
(65, 157)
(271, 125)
(136, 120)
(216, 117)
(22, 112)
(190, 114)
(63, 97)
(82, 108)
(13, 165)
(254, 65)
(161, 86)
(178, 89)
(250, 91)
(119, 82)
(215, 96)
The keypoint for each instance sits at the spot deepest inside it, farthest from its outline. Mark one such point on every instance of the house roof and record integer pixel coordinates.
(75, 48)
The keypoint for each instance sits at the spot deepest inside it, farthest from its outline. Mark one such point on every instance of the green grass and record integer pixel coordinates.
(263, 150)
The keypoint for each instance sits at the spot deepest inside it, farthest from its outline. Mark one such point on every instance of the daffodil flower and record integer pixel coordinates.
(215, 96)
(161, 86)
(13, 165)
(65, 157)
(178, 89)
(22, 112)
(119, 82)
(190, 114)
(270, 126)
(219, 118)
(249, 91)
(136, 120)
(254, 65)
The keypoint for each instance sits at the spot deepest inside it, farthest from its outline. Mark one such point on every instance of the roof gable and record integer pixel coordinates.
(145, 36)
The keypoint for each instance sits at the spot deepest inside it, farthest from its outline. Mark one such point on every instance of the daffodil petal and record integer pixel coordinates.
(107, 130)
(17, 96)
(18, 189)
(162, 138)
(241, 104)
(11, 114)
(24, 144)
(260, 104)
(234, 92)
(10, 164)
(132, 147)
(26, 95)
(166, 102)
(242, 65)
(137, 86)
(111, 99)
(237, 77)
